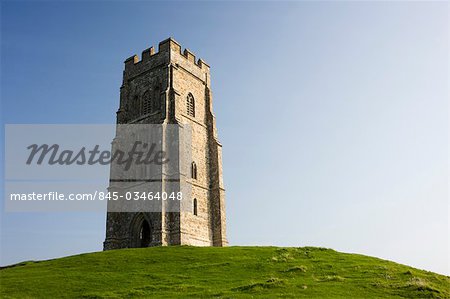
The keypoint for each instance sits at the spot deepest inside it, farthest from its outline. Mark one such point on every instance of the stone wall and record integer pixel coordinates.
(169, 76)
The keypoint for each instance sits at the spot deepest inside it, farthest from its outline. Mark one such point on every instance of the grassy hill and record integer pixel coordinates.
(231, 272)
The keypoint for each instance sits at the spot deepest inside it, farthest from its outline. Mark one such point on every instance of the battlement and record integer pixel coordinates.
(166, 46)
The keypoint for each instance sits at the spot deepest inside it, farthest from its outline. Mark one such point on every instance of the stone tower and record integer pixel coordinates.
(172, 87)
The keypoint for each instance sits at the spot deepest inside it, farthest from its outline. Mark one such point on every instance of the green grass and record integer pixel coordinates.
(231, 272)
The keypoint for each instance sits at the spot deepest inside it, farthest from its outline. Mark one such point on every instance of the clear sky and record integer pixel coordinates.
(333, 116)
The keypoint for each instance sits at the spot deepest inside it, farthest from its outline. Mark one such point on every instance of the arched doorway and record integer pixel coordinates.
(145, 236)
(140, 232)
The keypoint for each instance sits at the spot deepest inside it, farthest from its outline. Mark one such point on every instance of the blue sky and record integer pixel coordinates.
(333, 115)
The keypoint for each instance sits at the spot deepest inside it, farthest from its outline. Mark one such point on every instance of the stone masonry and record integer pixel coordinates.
(172, 87)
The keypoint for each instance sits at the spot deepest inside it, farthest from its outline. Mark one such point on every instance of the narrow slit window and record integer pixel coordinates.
(194, 171)
(195, 206)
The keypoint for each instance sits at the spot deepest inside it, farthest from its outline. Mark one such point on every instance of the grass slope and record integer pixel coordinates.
(230, 272)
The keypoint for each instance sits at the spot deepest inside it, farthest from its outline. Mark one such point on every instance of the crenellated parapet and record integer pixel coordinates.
(167, 48)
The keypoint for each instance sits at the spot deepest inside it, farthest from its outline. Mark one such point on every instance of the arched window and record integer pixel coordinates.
(195, 206)
(194, 170)
(190, 105)
(146, 103)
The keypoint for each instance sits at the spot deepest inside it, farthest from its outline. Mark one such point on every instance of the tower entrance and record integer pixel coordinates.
(144, 237)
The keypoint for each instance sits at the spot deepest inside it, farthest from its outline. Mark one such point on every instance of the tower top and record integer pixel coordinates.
(169, 47)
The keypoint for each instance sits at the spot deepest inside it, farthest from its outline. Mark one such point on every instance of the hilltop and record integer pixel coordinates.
(229, 272)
